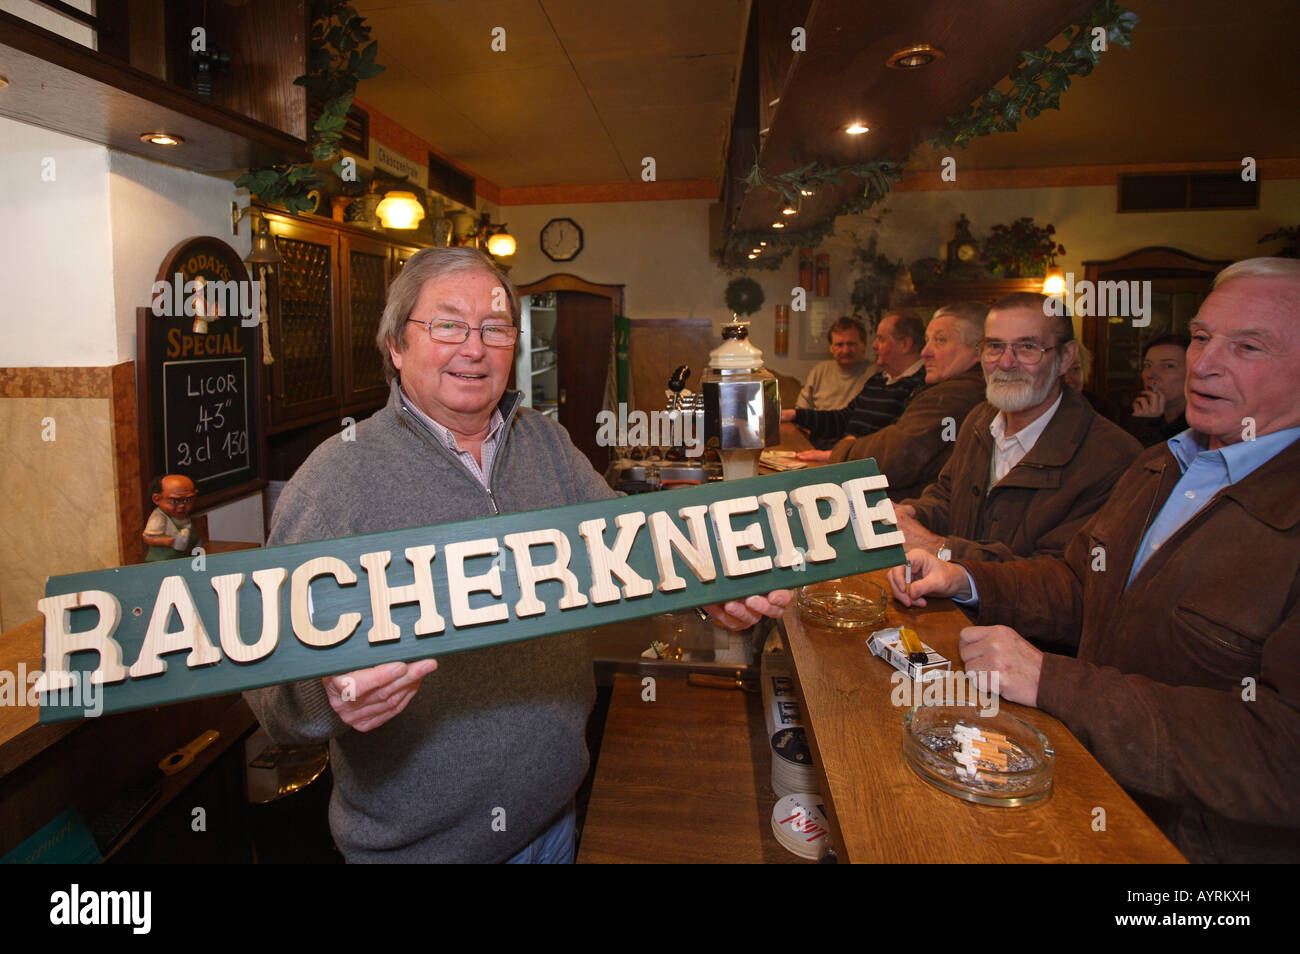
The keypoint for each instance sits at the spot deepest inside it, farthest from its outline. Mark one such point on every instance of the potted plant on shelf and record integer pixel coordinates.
(1021, 249)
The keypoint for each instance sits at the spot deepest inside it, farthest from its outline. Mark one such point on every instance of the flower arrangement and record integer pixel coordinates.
(1021, 249)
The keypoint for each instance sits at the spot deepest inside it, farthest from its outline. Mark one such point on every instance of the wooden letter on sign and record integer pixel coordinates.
(155, 633)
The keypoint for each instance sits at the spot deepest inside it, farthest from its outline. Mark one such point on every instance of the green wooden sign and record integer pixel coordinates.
(156, 633)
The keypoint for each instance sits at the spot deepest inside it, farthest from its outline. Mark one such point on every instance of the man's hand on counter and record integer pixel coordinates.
(814, 456)
(1002, 650)
(368, 698)
(736, 615)
(930, 577)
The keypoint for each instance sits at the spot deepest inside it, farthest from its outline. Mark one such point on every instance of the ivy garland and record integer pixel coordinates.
(342, 54)
(1036, 84)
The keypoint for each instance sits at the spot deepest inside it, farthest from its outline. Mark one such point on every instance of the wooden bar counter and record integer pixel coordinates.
(683, 779)
(881, 810)
(687, 778)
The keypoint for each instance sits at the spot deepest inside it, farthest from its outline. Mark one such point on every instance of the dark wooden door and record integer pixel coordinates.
(1179, 283)
(584, 331)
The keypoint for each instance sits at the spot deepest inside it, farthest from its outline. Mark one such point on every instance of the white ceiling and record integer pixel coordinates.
(583, 91)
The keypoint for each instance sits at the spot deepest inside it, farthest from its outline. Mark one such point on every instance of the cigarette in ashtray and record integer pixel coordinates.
(980, 749)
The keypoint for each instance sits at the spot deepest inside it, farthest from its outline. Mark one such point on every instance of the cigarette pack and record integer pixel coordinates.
(888, 645)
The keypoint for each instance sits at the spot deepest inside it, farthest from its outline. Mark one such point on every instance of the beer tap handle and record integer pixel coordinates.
(676, 384)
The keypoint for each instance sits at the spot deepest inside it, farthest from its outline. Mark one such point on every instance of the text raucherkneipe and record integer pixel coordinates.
(453, 587)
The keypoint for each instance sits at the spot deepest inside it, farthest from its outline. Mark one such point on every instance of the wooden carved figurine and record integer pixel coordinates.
(169, 533)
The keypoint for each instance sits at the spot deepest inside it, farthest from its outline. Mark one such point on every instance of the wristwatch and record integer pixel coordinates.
(945, 553)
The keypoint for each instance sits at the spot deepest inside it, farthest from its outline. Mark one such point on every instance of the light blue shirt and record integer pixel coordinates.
(1205, 473)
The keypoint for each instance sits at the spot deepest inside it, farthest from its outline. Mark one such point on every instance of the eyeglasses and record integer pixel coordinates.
(450, 331)
(1026, 352)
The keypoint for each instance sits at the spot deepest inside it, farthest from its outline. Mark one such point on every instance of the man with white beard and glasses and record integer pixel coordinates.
(1033, 462)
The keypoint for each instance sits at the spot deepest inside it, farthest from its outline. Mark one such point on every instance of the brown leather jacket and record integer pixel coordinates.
(912, 450)
(1187, 683)
(1043, 501)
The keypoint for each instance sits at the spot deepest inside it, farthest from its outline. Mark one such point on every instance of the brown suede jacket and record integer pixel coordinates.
(1041, 502)
(1187, 683)
(912, 450)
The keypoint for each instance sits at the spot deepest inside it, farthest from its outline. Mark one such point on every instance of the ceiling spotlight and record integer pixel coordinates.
(752, 255)
(161, 139)
(914, 57)
(789, 210)
(807, 191)
(856, 128)
(778, 225)
(762, 243)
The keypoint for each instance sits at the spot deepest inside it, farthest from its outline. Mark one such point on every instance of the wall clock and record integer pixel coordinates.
(562, 240)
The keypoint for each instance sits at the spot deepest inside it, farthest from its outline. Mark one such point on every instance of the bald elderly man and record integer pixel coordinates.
(1182, 593)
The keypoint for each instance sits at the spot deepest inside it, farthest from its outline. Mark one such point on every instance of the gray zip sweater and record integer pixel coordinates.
(494, 737)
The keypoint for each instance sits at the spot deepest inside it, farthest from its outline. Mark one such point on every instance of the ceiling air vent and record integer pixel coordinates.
(446, 179)
(1181, 191)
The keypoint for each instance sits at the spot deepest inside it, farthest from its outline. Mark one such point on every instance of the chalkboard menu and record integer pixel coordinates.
(199, 374)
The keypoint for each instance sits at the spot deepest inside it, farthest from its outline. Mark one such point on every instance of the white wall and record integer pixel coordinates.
(153, 207)
(659, 250)
(85, 232)
(56, 253)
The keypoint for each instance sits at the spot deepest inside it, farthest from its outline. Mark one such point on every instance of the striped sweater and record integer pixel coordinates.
(877, 405)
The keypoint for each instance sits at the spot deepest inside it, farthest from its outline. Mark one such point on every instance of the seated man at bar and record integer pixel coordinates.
(912, 451)
(833, 384)
(482, 764)
(1182, 594)
(881, 401)
(1034, 462)
(1157, 413)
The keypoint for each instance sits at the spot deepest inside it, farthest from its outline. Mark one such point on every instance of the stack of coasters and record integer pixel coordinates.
(799, 823)
(792, 763)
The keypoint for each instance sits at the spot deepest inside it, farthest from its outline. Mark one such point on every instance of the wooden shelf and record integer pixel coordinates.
(57, 84)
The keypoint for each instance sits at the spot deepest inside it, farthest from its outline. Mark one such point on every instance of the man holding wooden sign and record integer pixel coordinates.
(483, 762)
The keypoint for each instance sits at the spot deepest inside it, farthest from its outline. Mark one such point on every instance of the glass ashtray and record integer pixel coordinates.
(1018, 773)
(839, 605)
